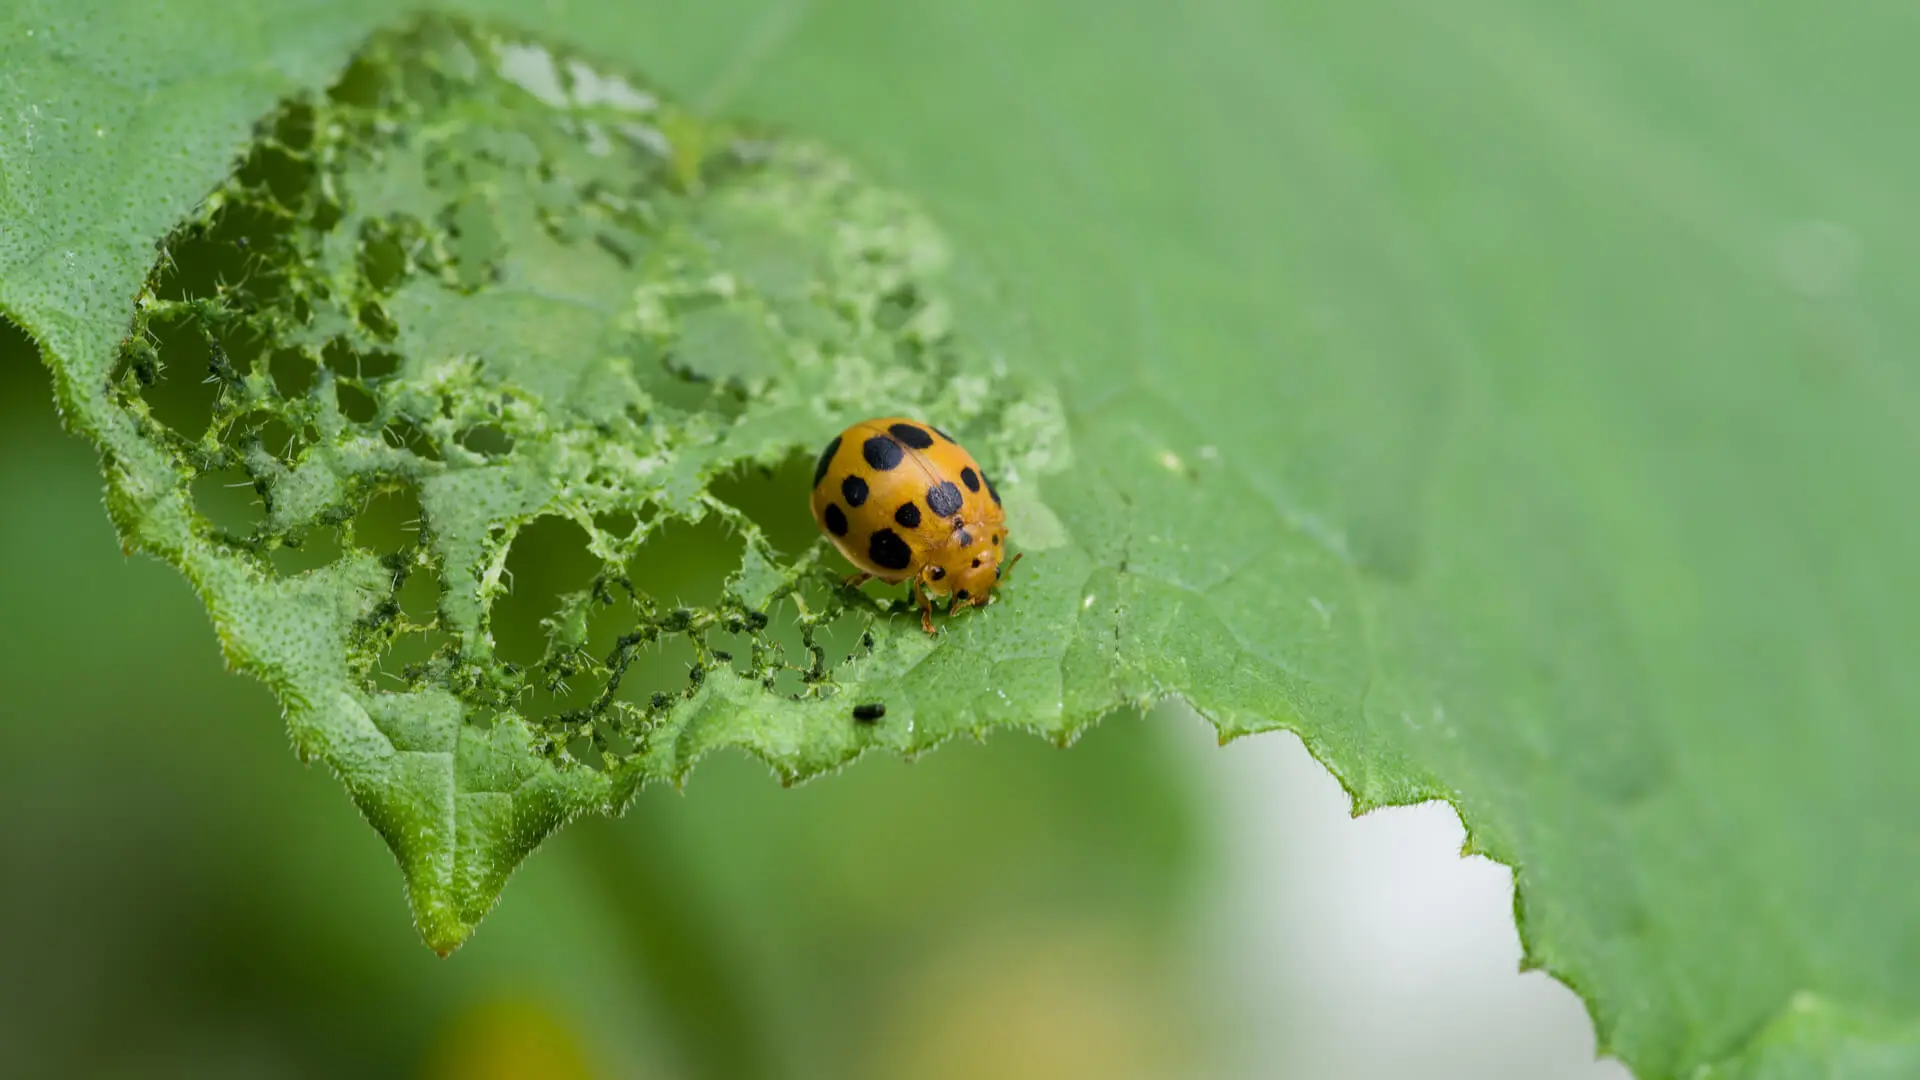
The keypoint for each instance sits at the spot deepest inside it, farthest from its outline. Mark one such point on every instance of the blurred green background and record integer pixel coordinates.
(183, 898)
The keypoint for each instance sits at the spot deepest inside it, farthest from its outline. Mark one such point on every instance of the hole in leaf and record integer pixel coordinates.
(356, 404)
(366, 365)
(268, 433)
(227, 499)
(410, 654)
(551, 695)
(732, 649)
(616, 523)
(293, 371)
(776, 500)
(294, 128)
(187, 392)
(391, 521)
(840, 639)
(659, 672)
(311, 550)
(586, 753)
(403, 434)
(488, 440)
(582, 651)
(686, 565)
(374, 318)
(419, 597)
(326, 214)
(237, 252)
(612, 739)
(363, 84)
(549, 557)
(279, 173)
(240, 344)
(836, 641)
(383, 260)
(378, 364)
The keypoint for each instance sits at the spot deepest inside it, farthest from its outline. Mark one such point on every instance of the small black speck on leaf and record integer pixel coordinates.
(870, 712)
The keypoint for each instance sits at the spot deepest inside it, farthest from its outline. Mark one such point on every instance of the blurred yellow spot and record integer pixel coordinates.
(1069, 1005)
(509, 1039)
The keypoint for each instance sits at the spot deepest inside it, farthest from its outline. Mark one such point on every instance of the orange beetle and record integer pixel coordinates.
(904, 502)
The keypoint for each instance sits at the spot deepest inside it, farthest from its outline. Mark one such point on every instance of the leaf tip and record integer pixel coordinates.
(443, 932)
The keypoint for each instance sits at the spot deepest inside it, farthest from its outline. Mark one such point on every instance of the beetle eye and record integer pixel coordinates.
(938, 573)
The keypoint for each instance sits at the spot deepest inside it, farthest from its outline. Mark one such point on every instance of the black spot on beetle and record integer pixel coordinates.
(882, 452)
(911, 435)
(854, 489)
(963, 538)
(961, 595)
(996, 539)
(888, 551)
(976, 563)
(836, 519)
(944, 499)
(970, 478)
(908, 516)
(870, 712)
(826, 460)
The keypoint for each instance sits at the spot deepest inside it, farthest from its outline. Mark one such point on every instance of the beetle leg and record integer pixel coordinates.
(926, 605)
(854, 581)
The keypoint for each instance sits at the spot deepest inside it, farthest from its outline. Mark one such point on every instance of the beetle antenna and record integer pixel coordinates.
(1011, 563)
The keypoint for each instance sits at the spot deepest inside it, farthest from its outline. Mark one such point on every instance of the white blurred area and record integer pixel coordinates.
(1356, 949)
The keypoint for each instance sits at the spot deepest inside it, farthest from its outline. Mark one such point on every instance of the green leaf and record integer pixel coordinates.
(1510, 402)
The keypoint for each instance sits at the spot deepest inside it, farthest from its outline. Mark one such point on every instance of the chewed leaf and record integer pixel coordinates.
(482, 304)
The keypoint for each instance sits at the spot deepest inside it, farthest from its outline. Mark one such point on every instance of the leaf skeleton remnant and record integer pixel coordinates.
(480, 286)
